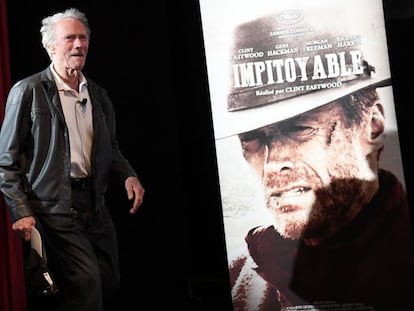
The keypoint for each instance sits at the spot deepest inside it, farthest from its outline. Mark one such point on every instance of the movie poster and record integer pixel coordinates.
(311, 178)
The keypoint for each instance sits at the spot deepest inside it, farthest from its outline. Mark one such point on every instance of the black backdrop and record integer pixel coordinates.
(150, 57)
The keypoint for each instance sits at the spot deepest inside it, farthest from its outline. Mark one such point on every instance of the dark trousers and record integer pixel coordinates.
(82, 253)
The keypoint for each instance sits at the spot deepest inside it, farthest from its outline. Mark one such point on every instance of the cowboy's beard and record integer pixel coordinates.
(317, 213)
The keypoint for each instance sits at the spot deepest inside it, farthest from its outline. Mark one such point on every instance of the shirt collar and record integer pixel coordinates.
(62, 86)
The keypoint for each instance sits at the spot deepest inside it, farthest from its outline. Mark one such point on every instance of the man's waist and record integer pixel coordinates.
(80, 182)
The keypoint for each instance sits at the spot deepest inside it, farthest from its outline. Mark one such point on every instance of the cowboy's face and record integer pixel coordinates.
(314, 170)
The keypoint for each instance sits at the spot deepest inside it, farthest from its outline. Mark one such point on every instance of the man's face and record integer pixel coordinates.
(71, 45)
(314, 171)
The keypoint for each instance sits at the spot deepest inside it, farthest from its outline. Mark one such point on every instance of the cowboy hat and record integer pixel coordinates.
(289, 62)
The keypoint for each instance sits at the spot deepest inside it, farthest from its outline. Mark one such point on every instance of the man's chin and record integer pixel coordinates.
(292, 225)
(290, 231)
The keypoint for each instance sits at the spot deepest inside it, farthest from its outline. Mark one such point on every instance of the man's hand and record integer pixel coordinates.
(24, 227)
(134, 191)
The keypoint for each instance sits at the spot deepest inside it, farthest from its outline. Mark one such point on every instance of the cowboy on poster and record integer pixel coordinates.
(314, 203)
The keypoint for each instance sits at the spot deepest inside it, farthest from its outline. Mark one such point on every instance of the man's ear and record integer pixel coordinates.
(51, 48)
(376, 125)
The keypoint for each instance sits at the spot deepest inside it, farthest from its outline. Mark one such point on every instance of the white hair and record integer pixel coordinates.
(48, 26)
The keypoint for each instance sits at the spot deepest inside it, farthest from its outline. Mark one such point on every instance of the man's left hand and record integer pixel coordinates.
(135, 191)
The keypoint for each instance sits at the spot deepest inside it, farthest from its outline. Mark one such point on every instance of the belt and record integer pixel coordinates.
(80, 183)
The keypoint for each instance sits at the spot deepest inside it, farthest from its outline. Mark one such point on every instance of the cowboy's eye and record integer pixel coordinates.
(252, 142)
(300, 131)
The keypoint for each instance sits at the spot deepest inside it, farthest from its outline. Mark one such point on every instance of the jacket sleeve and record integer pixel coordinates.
(14, 131)
(120, 166)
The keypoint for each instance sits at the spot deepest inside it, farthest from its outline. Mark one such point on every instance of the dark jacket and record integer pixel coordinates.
(369, 264)
(35, 152)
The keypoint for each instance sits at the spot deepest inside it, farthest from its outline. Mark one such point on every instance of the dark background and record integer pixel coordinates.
(150, 57)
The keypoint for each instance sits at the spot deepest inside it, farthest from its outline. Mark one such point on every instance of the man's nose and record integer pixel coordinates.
(278, 165)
